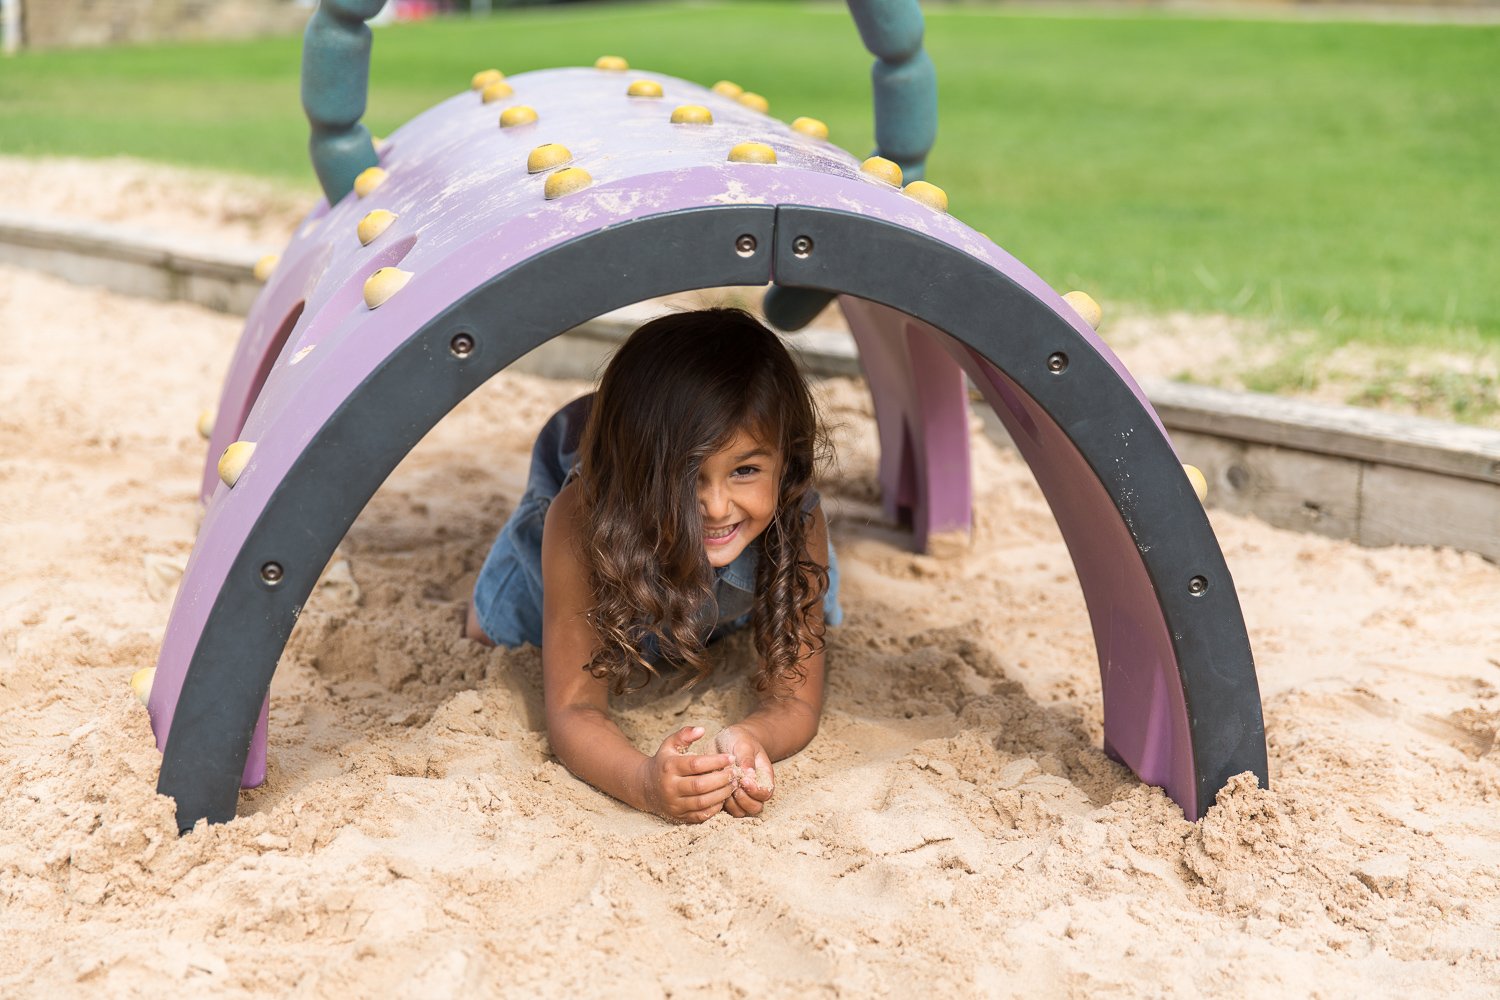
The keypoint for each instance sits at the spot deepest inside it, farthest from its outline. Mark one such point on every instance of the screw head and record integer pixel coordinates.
(802, 247)
(272, 573)
(745, 245)
(462, 345)
(1057, 363)
(1198, 586)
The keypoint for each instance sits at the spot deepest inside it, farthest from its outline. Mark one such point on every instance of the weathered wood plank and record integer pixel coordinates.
(1347, 431)
(1406, 507)
(1299, 490)
(1333, 470)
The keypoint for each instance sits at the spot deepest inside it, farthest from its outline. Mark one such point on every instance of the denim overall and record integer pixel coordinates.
(508, 593)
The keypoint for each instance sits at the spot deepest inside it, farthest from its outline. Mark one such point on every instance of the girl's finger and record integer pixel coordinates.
(699, 763)
(680, 741)
(742, 801)
(732, 807)
(710, 782)
(713, 798)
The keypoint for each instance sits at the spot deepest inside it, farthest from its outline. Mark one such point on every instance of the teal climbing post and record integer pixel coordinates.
(335, 84)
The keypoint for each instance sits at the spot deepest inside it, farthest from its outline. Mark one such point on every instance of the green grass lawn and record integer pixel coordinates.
(1337, 177)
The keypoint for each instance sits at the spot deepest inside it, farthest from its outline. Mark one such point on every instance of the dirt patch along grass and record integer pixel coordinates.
(1324, 176)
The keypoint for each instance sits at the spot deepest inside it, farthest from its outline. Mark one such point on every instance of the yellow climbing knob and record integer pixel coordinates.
(566, 181)
(266, 265)
(810, 126)
(882, 169)
(372, 225)
(692, 114)
(140, 683)
(1084, 305)
(368, 180)
(384, 283)
(728, 88)
(547, 156)
(485, 77)
(752, 152)
(928, 194)
(615, 64)
(520, 114)
(754, 102)
(234, 460)
(206, 420)
(1200, 484)
(496, 91)
(643, 88)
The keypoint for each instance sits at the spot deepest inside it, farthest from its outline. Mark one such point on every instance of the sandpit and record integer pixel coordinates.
(954, 829)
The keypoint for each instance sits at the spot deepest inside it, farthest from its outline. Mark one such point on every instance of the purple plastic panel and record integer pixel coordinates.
(468, 210)
(1145, 714)
(922, 413)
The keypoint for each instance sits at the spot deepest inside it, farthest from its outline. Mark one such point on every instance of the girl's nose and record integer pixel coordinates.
(714, 502)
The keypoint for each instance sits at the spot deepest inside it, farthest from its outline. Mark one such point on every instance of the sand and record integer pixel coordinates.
(954, 829)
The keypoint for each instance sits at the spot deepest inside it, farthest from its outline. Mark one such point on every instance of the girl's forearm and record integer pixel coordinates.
(782, 727)
(591, 746)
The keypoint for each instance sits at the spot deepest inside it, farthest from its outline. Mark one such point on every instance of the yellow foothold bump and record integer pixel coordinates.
(496, 91)
(234, 460)
(373, 224)
(615, 64)
(206, 420)
(1084, 305)
(266, 265)
(140, 683)
(754, 102)
(928, 194)
(1200, 484)
(882, 169)
(520, 114)
(384, 283)
(752, 152)
(729, 89)
(643, 88)
(368, 180)
(810, 126)
(547, 156)
(566, 181)
(692, 114)
(485, 77)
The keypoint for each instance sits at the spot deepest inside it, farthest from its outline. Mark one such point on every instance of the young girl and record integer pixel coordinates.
(672, 506)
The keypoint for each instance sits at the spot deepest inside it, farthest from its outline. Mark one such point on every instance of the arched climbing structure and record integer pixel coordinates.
(496, 268)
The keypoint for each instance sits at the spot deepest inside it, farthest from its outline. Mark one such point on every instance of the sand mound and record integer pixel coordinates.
(954, 829)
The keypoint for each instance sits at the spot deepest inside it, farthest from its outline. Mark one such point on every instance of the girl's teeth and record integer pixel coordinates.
(720, 532)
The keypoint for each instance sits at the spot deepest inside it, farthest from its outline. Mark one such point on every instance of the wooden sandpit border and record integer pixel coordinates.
(1344, 472)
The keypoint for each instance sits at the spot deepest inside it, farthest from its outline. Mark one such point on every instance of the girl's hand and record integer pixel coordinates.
(682, 786)
(750, 769)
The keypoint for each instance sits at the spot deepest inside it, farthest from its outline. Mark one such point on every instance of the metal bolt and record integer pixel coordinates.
(745, 245)
(462, 345)
(272, 573)
(802, 247)
(1057, 363)
(1198, 586)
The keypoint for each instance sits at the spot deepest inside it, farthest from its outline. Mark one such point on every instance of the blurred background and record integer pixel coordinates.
(1318, 178)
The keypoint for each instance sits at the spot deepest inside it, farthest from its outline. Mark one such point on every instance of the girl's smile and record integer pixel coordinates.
(737, 490)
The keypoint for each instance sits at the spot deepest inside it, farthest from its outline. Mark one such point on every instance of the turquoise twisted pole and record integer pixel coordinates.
(335, 84)
(904, 83)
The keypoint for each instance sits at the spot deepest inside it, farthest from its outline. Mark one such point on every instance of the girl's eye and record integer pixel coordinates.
(747, 470)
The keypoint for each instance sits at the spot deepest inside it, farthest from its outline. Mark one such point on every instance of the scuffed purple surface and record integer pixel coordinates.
(468, 210)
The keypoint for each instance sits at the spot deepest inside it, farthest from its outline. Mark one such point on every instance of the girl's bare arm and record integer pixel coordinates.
(672, 783)
(784, 723)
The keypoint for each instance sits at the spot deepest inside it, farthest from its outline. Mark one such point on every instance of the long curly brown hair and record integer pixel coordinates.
(674, 394)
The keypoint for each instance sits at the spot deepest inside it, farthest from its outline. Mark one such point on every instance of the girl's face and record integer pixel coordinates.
(737, 490)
